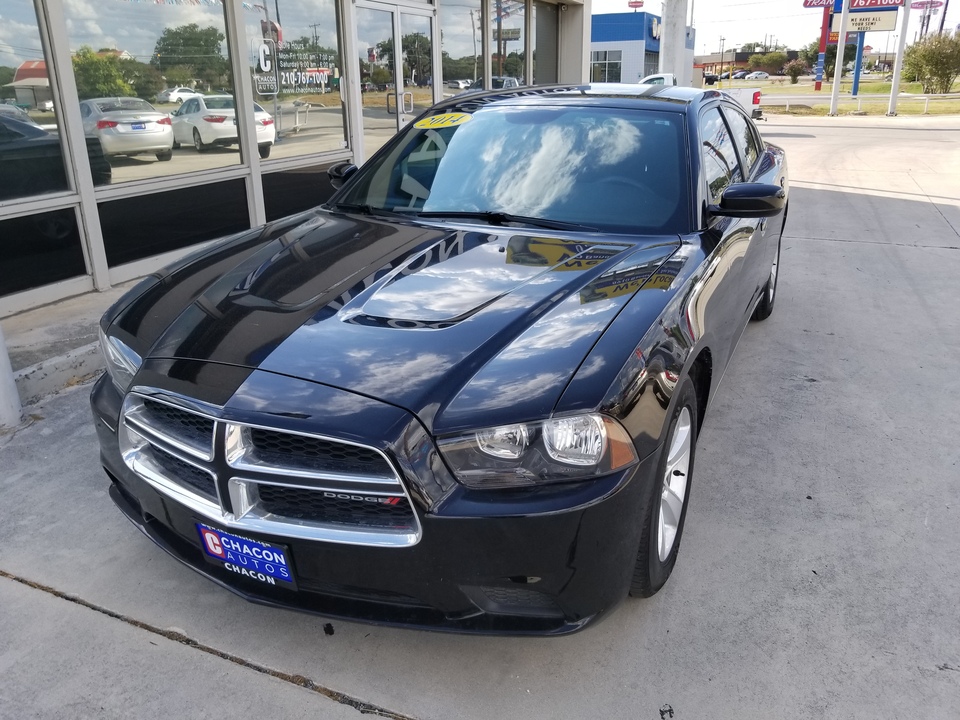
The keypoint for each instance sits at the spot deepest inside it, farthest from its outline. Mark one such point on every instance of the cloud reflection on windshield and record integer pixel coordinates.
(544, 163)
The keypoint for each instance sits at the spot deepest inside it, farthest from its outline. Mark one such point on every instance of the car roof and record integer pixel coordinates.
(599, 94)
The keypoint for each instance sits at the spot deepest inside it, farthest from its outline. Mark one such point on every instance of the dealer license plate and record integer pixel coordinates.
(261, 562)
(138, 126)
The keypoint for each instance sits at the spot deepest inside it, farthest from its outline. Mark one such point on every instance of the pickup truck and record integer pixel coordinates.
(749, 98)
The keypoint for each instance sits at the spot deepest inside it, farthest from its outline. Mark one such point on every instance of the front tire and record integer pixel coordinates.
(665, 507)
(765, 307)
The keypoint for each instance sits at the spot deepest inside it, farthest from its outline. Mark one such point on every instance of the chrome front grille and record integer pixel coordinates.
(264, 479)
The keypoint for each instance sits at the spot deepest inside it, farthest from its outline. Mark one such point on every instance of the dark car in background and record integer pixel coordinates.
(464, 394)
(31, 161)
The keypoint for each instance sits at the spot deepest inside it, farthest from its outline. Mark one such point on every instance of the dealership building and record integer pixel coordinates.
(325, 71)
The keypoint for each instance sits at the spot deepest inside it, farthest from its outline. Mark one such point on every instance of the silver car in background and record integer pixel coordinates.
(128, 126)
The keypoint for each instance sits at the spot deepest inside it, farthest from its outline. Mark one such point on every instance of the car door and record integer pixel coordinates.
(89, 121)
(182, 127)
(729, 285)
(758, 167)
(756, 262)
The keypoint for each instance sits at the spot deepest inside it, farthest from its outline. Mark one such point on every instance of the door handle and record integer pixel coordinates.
(406, 96)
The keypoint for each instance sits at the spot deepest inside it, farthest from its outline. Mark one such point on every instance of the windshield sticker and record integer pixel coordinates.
(444, 120)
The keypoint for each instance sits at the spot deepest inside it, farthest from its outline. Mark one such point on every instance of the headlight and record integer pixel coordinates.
(576, 447)
(122, 362)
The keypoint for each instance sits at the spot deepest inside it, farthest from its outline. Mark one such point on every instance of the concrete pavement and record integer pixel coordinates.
(818, 574)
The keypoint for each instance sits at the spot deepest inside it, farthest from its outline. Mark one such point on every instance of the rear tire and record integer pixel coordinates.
(664, 509)
(765, 307)
(264, 151)
(198, 141)
(165, 155)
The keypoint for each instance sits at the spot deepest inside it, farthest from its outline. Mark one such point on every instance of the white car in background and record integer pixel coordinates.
(758, 75)
(205, 121)
(176, 95)
(128, 126)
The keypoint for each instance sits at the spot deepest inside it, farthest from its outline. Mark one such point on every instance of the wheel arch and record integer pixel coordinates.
(701, 373)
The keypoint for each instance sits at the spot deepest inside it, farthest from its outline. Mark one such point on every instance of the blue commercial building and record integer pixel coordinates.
(624, 47)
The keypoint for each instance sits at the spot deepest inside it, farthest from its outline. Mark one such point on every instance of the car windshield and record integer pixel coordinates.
(613, 169)
(124, 105)
(218, 103)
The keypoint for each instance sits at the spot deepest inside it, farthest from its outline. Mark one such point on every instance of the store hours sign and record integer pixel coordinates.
(289, 67)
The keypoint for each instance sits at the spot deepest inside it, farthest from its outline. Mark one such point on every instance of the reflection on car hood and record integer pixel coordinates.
(449, 324)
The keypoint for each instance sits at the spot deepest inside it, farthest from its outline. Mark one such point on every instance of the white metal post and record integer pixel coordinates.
(841, 48)
(898, 61)
(10, 409)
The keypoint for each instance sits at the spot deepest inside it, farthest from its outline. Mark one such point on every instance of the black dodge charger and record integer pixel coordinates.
(465, 393)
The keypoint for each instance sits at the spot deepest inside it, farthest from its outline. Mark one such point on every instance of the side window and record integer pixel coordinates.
(720, 165)
(84, 110)
(744, 137)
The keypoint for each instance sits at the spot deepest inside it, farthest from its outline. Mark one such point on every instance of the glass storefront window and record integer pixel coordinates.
(546, 35)
(31, 159)
(155, 85)
(507, 42)
(40, 249)
(294, 55)
(460, 44)
(144, 225)
(605, 65)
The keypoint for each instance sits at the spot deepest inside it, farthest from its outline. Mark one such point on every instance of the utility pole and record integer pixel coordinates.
(720, 74)
(943, 16)
(473, 26)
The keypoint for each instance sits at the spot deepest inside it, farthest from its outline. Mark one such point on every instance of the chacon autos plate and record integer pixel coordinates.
(262, 562)
(138, 126)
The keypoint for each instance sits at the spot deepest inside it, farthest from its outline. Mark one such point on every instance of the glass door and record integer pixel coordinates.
(395, 86)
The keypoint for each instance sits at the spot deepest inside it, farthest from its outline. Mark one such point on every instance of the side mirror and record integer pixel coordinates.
(750, 200)
(339, 173)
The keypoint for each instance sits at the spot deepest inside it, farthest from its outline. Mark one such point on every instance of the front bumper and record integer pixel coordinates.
(545, 573)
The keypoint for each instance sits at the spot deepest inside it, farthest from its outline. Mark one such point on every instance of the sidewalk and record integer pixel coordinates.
(56, 346)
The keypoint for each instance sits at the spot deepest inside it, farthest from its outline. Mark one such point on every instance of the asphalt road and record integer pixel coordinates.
(818, 576)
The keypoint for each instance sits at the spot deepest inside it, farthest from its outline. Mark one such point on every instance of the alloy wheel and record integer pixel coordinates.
(676, 479)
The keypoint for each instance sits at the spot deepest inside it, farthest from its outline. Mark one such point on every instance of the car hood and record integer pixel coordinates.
(459, 326)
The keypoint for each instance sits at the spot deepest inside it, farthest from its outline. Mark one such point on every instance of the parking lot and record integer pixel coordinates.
(818, 576)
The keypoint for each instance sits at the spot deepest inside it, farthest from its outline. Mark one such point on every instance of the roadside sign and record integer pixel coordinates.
(817, 3)
(867, 21)
(506, 34)
(635, 3)
(834, 36)
(924, 4)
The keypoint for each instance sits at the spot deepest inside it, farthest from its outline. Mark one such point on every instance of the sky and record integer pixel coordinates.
(134, 25)
(743, 21)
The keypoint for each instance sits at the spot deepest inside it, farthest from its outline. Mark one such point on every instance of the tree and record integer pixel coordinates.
(811, 52)
(195, 47)
(934, 61)
(417, 53)
(6, 75)
(178, 75)
(795, 68)
(144, 80)
(98, 75)
(751, 47)
(773, 62)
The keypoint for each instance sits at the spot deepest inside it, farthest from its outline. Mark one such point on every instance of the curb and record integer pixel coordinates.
(48, 376)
